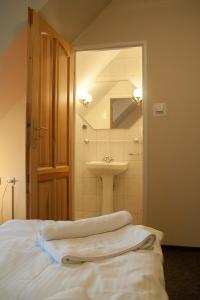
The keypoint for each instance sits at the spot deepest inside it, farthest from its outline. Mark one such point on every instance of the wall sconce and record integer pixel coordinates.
(137, 96)
(84, 97)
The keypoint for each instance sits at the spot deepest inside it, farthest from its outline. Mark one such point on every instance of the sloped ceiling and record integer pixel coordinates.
(13, 17)
(70, 17)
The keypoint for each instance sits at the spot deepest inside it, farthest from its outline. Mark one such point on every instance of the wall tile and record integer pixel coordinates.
(131, 133)
(79, 152)
(89, 187)
(103, 135)
(78, 130)
(131, 204)
(119, 203)
(117, 151)
(90, 133)
(78, 191)
(78, 168)
(89, 151)
(139, 218)
(102, 150)
(119, 186)
(135, 219)
(99, 193)
(140, 150)
(86, 173)
(116, 134)
(131, 187)
(89, 203)
(133, 169)
(130, 151)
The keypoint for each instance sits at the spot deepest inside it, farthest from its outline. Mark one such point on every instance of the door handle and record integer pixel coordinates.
(36, 132)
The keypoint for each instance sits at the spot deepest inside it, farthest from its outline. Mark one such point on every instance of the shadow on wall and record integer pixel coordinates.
(13, 69)
(13, 87)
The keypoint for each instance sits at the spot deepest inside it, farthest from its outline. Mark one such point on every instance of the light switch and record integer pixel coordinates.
(159, 109)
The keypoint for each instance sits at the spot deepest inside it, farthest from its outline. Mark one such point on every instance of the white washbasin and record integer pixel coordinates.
(100, 168)
(107, 171)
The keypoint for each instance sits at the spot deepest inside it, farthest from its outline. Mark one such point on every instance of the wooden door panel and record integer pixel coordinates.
(49, 153)
(62, 192)
(45, 133)
(46, 200)
(62, 102)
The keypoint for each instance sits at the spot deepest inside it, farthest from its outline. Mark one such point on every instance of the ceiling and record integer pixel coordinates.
(68, 17)
(13, 18)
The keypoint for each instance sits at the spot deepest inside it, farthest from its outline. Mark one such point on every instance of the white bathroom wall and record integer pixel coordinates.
(127, 187)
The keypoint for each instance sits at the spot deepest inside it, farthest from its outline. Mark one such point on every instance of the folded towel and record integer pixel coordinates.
(100, 246)
(55, 230)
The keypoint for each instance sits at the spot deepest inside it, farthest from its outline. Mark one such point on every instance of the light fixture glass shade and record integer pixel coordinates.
(84, 97)
(137, 96)
(137, 93)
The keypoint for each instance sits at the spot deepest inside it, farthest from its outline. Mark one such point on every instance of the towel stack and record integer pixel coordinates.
(93, 239)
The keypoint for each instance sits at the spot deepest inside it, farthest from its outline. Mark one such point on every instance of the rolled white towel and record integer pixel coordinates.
(99, 246)
(73, 229)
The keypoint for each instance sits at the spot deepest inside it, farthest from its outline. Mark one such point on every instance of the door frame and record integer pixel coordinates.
(121, 45)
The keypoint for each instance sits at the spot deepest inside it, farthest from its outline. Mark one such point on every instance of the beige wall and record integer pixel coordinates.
(171, 29)
(12, 124)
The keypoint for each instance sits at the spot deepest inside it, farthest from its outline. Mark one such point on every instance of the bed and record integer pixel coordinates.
(26, 273)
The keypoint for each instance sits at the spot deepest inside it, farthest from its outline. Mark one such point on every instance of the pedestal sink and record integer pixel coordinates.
(107, 171)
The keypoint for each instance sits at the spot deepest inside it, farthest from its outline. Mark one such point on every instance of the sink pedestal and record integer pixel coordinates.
(107, 171)
(107, 195)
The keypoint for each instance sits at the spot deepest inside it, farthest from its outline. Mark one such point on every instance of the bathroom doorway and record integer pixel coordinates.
(109, 129)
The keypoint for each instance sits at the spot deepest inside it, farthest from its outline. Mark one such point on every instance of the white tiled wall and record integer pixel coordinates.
(119, 143)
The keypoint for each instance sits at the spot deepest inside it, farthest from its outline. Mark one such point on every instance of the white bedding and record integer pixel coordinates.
(27, 273)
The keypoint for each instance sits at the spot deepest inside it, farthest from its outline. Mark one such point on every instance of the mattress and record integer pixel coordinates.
(28, 273)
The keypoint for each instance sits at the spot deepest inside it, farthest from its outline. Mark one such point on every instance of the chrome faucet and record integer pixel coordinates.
(108, 158)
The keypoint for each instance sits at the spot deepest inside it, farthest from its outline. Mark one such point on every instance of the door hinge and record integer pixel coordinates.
(30, 16)
(27, 180)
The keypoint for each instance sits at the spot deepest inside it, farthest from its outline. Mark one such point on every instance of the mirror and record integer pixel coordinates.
(121, 112)
(112, 107)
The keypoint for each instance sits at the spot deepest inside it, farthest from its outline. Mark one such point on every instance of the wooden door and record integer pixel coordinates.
(49, 122)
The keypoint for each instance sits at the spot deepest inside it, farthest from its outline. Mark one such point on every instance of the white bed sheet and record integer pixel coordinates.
(27, 273)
